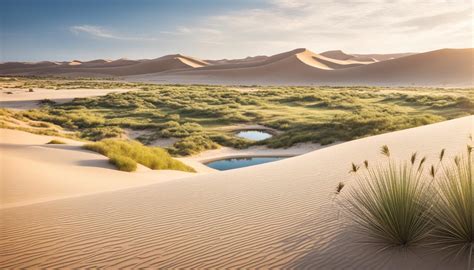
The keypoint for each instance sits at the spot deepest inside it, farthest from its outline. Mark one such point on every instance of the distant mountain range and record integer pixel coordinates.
(445, 67)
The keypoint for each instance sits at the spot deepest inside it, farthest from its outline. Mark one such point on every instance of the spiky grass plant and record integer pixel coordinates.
(453, 212)
(391, 202)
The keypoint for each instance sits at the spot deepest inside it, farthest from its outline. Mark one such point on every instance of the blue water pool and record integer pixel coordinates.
(234, 163)
(254, 135)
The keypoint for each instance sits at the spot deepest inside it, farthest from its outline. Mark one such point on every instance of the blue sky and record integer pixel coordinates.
(35, 30)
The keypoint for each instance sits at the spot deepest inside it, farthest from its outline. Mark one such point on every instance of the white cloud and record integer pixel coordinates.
(354, 26)
(100, 32)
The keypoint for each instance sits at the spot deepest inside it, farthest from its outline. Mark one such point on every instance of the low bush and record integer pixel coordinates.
(391, 203)
(193, 145)
(154, 158)
(398, 205)
(123, 163)
(454, 209)
(55, 141)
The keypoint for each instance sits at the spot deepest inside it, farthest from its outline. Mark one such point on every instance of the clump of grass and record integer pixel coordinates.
(193, 145)
(39, 124)
(154, 158)
(391, 202)
(123, 163)
(55, 141)
(454, 210)
(339, 187)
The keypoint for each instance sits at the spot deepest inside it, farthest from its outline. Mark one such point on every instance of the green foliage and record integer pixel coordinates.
(55, 141)
(454, 209)
(123, 163)
(398, 205)
(152, 157)
(193, 145)
(391, 203)
(303, 114)
(99, 133)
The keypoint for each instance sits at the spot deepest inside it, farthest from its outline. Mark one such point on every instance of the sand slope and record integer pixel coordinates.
(121, 67)
(32, 171)
(340, 55)
(447, 67)
(24, 100)
(278, 214)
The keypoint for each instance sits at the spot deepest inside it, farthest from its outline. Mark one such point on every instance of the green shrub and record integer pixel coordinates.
(154, 158)
(390, 203)
(123, 163)
(193, 145)
(99, 133)
(55, 141)
(454, 209)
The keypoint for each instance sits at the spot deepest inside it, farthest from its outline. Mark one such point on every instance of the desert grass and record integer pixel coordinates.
(453, 211)
(397, 204)
(125, 155)
(391, 202)
(56, 141)
(196, 114)
(123, 163)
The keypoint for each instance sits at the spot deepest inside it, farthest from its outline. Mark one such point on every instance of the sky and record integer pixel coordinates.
(58, 30)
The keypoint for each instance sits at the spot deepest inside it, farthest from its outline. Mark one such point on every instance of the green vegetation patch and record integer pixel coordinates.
(400, 204)
(198, 116)
(55, 141)
(126, 154)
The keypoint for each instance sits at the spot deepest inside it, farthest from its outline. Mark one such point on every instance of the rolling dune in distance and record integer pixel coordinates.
(441, 68)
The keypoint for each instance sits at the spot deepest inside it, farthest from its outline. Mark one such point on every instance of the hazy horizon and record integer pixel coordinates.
(211, 29)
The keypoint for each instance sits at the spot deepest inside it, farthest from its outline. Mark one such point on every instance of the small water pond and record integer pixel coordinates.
(254, 135)
(234, 163)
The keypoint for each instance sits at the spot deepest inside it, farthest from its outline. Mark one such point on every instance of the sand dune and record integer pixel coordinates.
(235, 61)
(279, 215)
(121, 67)
(447, 67)
(95, 63)
(75, 63)
(340, 55)
(383, 57)
(20, 65)
(305, 56)
(24, 100)
(170, 62)
(120, 62)
(33, 171)
(337, 54)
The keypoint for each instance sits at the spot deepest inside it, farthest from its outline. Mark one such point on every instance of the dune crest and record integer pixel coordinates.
(440, 68)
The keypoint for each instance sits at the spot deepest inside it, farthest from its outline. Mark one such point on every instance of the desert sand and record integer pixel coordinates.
(440, 68)
(280, 214)
(21, 99)
(447, 67)
(100, 67)
(33, 171)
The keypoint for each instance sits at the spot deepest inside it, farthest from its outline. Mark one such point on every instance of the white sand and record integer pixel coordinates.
(278, 214)
(445, 68)
(21, 99)
(33, 171)
(440, 68)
